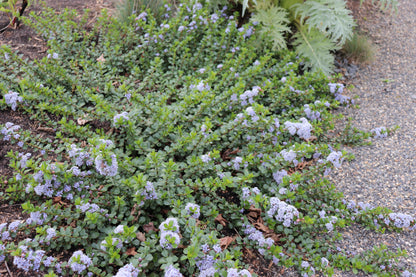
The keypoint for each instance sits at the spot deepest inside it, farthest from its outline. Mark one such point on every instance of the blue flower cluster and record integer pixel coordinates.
(406, 273)
(330, 220)
(249, 193)
(24, 159)
(206, 266)
(128, 271)
(31, 260)
(302, 129)
(193, 210)
(206, 158)
(379, 132)
(9, 130)
(54, 56)
(79, 262)
(307, 266)
(278, 176)
(169, 233)
(102, 166)
(121, 119)
(288, 155)
(233, 272)
(247, 97)
(172, 271)
(37, 218)
(335, 157)
(91, 208)
(337, 89)
(401, 220)
(237, 161)
(282, 211)
(149, 192)
(2, 248)
(12, 99)
(258, 237)
(5, 235)
(81, 156)
(311, 115)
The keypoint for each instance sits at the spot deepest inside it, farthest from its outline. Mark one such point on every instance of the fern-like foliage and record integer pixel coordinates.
(328, 16)
(274, 22)
(320, 26)
(312, 44)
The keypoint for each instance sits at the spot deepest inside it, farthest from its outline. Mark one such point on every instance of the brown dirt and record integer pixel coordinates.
(25, 41)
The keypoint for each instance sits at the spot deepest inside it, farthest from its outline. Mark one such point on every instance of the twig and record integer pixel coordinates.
(15, 21)
(5, 28)
(8, 270)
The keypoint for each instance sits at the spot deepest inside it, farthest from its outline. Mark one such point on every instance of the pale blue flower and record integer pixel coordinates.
(401, 220)
(171, 271)
(278, 176)
(142, 16)
(104, 168)
(193, 210)
(119, 229)
(379, 132)
(205, 158)
(79, 262)
(51, 233)
(170, 224)
(169, 239)
(335, 158)
(121, 119)
(205, 262)
(14, 225)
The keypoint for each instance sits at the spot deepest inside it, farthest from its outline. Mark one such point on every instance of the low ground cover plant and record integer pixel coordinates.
(179, 148)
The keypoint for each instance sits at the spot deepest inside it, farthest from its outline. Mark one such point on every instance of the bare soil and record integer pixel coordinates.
(25, 41)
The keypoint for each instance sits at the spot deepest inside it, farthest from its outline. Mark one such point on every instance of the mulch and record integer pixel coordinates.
(384, 173)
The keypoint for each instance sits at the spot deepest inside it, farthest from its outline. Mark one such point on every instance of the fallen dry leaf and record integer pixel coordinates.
(221, 220)
(226, 241)
(81, 122)
(57, 199)
(131, 251)
(46, 129)
(101, 59)
(140, 236)
(260, 226)
(149, 227)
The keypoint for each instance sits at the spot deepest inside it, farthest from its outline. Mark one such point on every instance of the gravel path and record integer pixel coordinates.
(383, 174)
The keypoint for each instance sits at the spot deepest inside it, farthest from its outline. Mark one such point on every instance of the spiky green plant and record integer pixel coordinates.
(359, 49)
(125, 8)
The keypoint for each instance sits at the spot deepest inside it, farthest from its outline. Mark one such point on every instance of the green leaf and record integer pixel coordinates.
(311, 44)
(274, 22)
(245, 5)
(328, 16)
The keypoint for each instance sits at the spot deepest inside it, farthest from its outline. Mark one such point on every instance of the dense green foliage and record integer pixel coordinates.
(177, 143)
